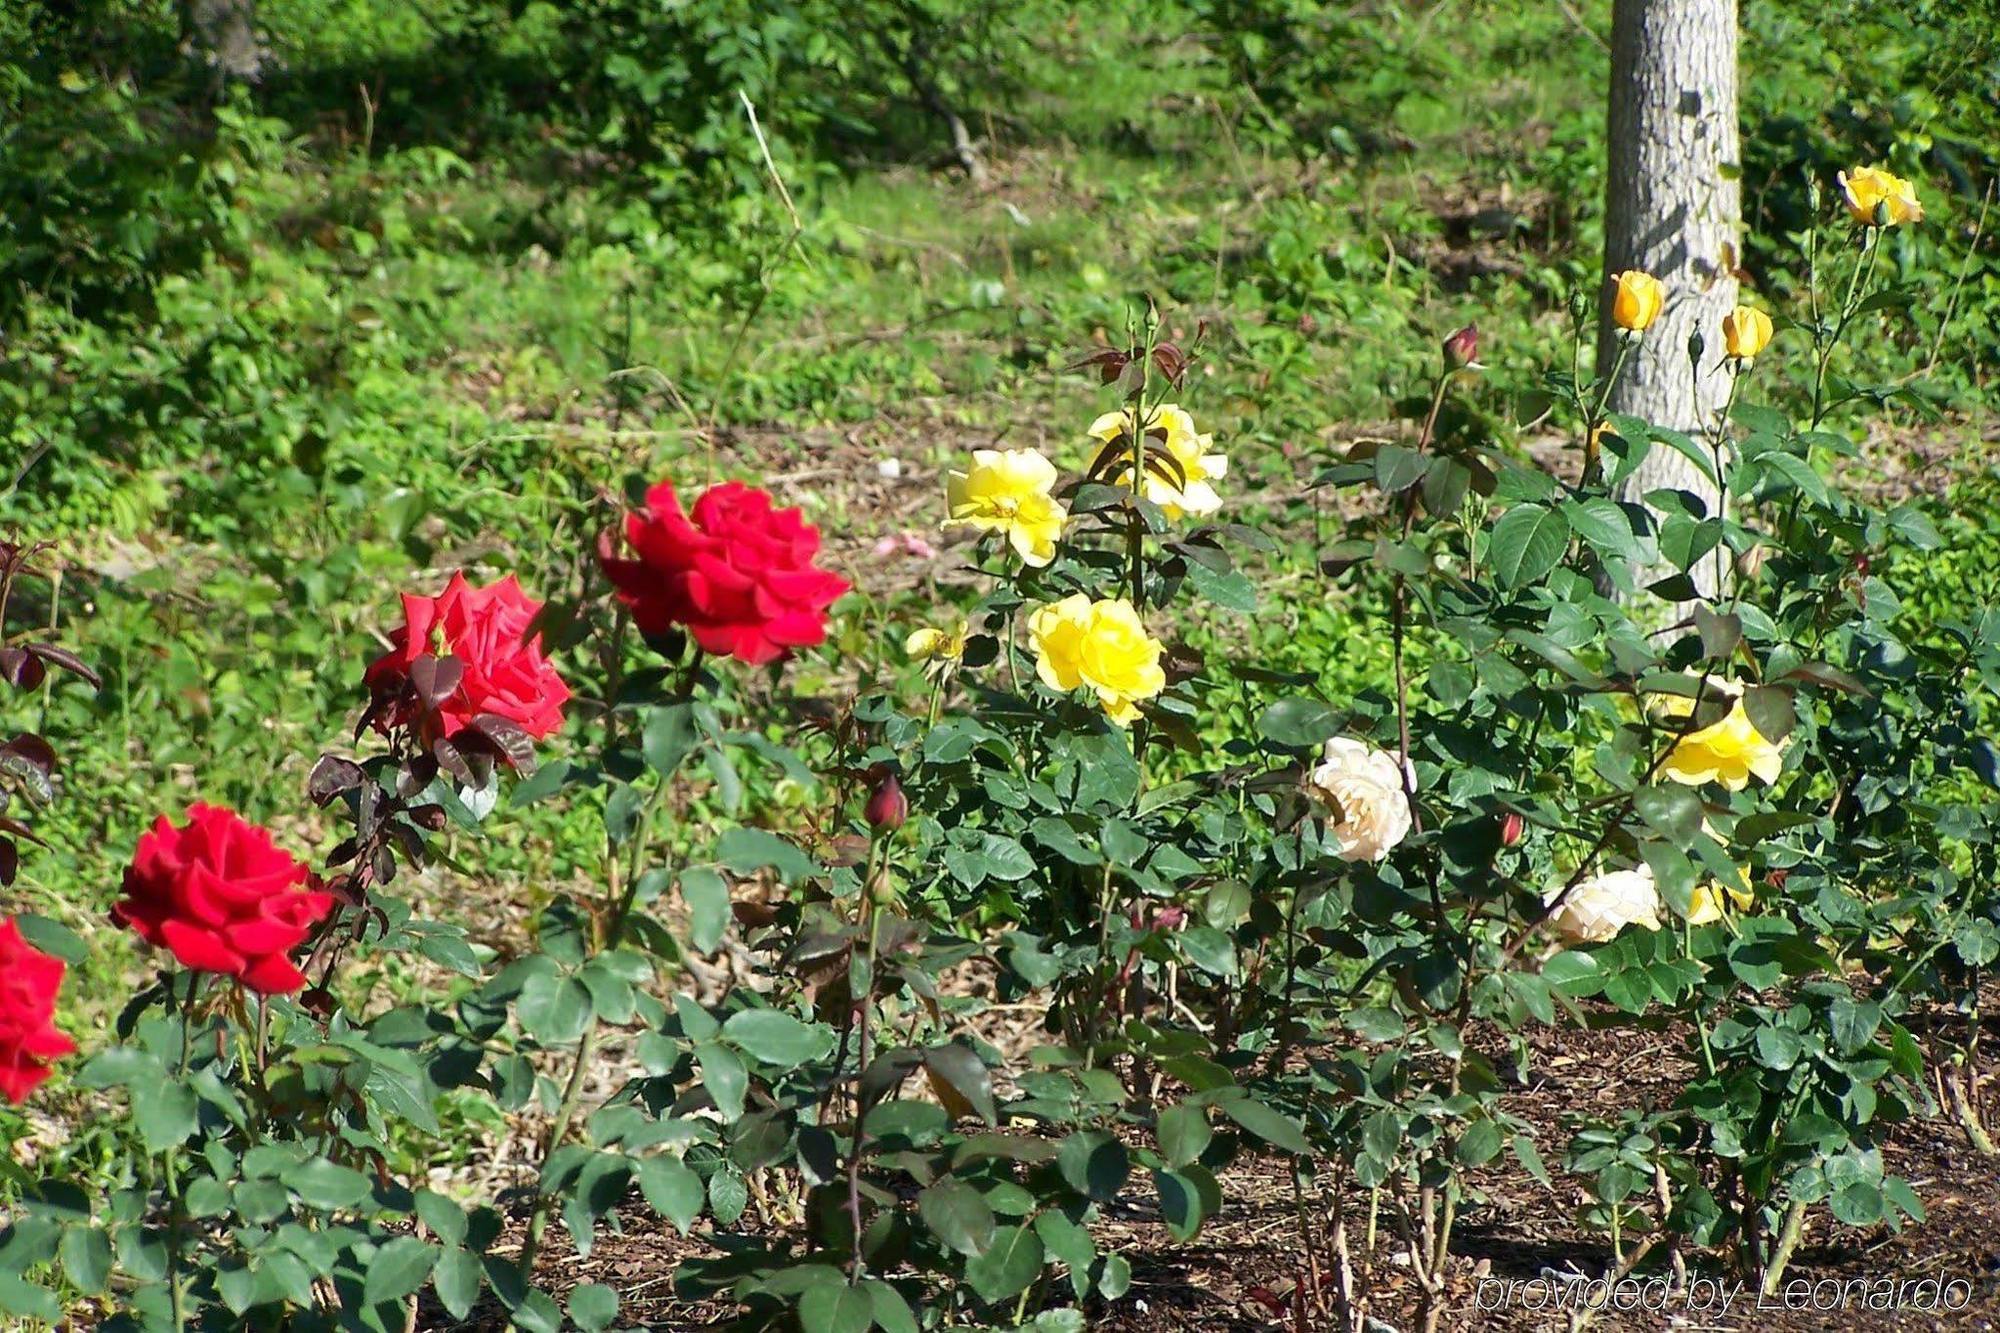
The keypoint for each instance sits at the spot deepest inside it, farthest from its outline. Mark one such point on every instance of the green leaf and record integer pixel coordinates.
(725, 1078)
(1181, 1204)
(892, 1312)
(672, 1190)
(166, 1113)
(456, 1279)
(1527, 542)
(835, 1307)
(776, 1038)
(593, 1306)
(669, 738)
(398, 1269)
(961, 1068)
(1854, 1023)
(728, 1195)
(1184, 1133)
(85, 1255)
(1675, 811)
(747, 850)
(325, 1185)
(1280, 1131)
(1605, 524)
(707, 899)
(1009, 1265)
(1094, 1163)
(554, 1009)
(958, 1215)
(1398, 469)
(1298, 723)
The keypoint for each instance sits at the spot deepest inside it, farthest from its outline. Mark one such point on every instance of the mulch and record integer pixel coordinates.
(1247, 1270)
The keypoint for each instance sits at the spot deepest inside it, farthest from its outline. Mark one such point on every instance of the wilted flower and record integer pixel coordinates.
(1103, 645)
(1746, 331)
(1007, 491)
(1636, 303)
(1364, 786)
(1730, 751)
(1877, 198)
(1179, 467)
(1600, 906)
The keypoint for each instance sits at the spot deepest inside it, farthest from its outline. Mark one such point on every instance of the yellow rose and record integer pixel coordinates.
(1711, 900)
(1875, 198)
(1746, 331)
(940, 647)
(1602, 905)
(1007, 491)
(1102, 645)
(1730, 751)
(1182, 487)
(1636, 303)
(1365, 786)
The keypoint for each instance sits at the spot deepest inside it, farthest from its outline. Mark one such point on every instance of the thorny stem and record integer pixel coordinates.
(865, 1004)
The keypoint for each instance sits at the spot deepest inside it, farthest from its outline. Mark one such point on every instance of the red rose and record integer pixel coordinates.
(738, 573)
(482, 633)
(29, 980)
(225, 898)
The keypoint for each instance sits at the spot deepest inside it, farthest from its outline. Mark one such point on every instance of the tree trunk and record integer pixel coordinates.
(1672, 208)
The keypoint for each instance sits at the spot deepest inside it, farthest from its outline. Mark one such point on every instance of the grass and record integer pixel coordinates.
(411, 358)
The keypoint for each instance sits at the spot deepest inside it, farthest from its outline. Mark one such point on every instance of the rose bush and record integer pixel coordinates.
(1253, 916)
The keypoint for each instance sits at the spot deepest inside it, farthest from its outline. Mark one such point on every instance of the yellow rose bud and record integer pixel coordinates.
(1746, 331)
(1730, 751)
(1101, 645)
(1179, 468)
(1007, 491)
(1876, 198)
(1636, 303)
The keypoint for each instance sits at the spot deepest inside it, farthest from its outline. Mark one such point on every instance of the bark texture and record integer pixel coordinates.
(1673, 208)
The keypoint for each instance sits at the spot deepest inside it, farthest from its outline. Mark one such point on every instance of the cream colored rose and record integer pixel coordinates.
(1364, 788)
(1602, 905)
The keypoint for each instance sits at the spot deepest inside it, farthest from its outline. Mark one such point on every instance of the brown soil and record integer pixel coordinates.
(1243, 1273)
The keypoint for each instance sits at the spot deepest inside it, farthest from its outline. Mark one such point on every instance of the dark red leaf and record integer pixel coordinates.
(21, 669)
(67, 660)
(331, 776)
(513, 745)
(436, 679)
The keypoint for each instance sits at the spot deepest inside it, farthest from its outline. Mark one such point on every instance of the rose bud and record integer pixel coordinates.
(1777, 878)
(1170, 918)
(1512, 829)
(1461, 350)
(887, 806)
